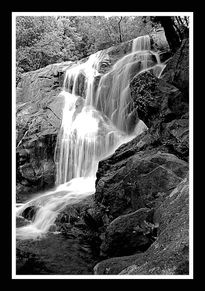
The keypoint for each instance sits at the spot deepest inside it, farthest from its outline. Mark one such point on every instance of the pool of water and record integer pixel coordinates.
(54, 254)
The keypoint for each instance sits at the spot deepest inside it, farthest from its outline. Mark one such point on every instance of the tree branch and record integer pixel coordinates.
(120, 33)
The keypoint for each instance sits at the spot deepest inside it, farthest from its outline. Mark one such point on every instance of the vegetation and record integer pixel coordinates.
(176, 29)
(43, 40)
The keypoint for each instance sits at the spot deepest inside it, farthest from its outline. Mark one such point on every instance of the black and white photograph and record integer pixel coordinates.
(102, 140)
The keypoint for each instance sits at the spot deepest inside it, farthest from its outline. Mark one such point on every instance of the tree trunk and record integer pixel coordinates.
(186, 19)
(120, 33)
(180, 20)
(178, 30)
(170, 33)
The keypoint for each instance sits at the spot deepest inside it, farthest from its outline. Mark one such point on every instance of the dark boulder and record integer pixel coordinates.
(113, 266)
(29, 212)
(165, 111)
(169, 253)
(37, 125)
(127, 183)
(128, 234)
(73, 215)
(41, 84)
(36, 169)
(155, 99)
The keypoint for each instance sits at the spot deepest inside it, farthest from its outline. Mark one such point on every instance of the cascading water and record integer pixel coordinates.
(96, 120)
(113, 94)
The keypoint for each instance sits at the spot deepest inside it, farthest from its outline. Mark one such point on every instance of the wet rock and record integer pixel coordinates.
(36, 172)
(21, 221)
(159, 41)
(90, 220)
(29, 212)
(155, 99)
(38, 119)
(130, 180)
(41, 84)
(113, 266)
(80, 85)
(169, 253)
(129, 233)
(164, 109)
(73, 215)
(117, 52)
(37, 128)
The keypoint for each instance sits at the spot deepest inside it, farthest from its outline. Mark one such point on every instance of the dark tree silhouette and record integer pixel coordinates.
(171, 34)
(120, 33)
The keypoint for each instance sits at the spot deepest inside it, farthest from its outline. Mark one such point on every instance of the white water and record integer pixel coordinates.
(92, 128)
(113, 93)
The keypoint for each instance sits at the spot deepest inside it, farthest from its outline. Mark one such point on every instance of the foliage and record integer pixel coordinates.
(176, 28)
(43, 40)
(101, 32)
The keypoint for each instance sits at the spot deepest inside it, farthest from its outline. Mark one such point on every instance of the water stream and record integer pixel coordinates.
(96, 120)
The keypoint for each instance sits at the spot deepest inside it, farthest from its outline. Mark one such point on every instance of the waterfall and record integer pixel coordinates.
(97, 118)
(113, 93)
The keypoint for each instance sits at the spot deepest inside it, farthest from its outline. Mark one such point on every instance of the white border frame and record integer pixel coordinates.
(14, 276)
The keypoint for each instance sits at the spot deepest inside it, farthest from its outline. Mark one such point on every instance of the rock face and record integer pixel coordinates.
(129, 186)
(41, 84)
(164, 108)
(128, 183)
(36, 140)
(38, 120)
(149, 174)
(128, 233)
(169, 254)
